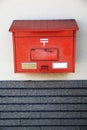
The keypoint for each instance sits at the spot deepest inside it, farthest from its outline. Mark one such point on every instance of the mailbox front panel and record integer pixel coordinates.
(44, 54)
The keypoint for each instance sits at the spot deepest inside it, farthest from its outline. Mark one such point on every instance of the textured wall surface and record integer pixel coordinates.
(43, 105)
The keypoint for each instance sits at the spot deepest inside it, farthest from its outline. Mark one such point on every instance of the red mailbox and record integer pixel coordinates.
(44, 45)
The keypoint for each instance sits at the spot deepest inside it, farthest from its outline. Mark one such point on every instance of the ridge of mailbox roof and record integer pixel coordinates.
(43, 25)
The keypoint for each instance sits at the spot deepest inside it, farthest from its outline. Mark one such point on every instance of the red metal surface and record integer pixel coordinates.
(48, 25)
(44, 45)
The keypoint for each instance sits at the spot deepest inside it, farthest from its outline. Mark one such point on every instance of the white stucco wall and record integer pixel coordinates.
(42, 9)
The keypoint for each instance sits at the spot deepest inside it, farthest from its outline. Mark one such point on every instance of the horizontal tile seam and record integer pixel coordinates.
(44, 118)
(9, 111)
(43, 125)
(41, 88)
(33, 96)
(73, 103)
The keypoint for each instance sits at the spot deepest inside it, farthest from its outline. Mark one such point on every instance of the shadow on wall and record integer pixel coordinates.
(80, 40)
(46, 76)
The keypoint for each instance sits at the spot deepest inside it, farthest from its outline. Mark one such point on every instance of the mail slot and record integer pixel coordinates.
(46, 54)
(46, 46)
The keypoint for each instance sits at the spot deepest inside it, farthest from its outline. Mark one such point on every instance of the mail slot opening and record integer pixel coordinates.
(44, 54)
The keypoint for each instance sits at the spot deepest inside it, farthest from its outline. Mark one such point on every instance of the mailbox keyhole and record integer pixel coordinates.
(44, 67)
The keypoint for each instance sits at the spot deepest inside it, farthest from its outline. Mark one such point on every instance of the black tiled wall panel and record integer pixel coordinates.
(43, 105)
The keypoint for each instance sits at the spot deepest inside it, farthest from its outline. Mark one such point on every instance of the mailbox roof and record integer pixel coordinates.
(43, 25)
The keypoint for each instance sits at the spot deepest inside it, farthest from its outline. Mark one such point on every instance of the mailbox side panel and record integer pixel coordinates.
(14, 52)
(74, 50)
